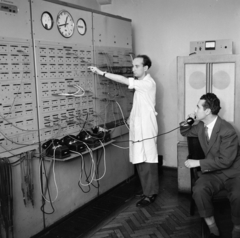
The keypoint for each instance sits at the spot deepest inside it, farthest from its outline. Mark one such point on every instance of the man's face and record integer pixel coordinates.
(138, 68)
(200, 113)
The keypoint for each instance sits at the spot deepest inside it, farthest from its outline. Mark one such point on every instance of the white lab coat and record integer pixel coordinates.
(143, 122)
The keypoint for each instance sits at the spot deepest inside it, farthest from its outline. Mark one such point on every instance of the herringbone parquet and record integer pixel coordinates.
(115, 215)
(168, 216)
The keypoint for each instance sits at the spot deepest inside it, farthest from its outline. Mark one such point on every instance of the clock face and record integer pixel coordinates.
(81, 26)
(65, 24)
(47, 20)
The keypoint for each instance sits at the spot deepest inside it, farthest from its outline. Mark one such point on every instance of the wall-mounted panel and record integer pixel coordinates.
(47, 91)
(66, 22)
(15, 19)
(112, 32)
(112, 53)
(63, 43)
(18, 114)
(65, 89)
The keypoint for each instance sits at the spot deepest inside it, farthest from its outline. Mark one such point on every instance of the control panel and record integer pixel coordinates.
(47, 90)
(214, 47)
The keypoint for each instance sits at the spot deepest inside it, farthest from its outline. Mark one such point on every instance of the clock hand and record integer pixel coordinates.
(64, 24)
(66, 21)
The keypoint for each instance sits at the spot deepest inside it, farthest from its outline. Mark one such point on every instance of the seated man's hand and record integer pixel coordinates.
(192, 163)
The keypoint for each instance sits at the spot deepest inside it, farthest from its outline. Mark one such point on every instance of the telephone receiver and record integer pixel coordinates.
(190, 121)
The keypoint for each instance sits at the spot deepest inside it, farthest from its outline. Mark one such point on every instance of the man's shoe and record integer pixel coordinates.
(139, 194)
(146, 200)
(213, 236)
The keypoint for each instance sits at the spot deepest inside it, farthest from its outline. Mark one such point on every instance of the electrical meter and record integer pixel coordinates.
(47, 20)
(81, 26)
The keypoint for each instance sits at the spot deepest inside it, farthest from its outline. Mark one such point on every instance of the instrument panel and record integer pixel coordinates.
(47, 90)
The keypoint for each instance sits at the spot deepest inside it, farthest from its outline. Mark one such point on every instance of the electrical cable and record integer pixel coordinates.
(84, 122)
(17, 162)
(122, 115)
(149, 137)
(104, 162)
(17, 126)
(75, 94)
(120, 147)
(83, 168)
(54, 178)
(92, 170)
(42, 165)
(6, 150)
(27, 186)
(98, 160)
(6, 197)
(34, 143)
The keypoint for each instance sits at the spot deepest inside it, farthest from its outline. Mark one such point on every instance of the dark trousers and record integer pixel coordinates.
(208, 185)
(148, 174)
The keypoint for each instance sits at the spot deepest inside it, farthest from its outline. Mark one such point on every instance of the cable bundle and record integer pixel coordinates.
(26, 178)
(6, 197)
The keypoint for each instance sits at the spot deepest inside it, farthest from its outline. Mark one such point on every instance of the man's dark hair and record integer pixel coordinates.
(146, 60)
(212, 102)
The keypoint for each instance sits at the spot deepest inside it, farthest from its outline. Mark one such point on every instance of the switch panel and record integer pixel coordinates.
(214, 47)
(18, 121)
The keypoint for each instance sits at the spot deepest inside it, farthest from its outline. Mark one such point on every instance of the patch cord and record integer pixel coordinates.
(75, 94)
(43, 193)
(93, 165)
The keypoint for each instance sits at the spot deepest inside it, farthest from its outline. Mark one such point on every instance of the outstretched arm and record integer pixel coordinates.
(115, 77)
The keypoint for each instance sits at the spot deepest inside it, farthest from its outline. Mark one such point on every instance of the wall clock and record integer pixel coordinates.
(65, 23)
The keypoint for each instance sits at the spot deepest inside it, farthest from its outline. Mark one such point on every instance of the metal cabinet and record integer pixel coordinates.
(198, 75)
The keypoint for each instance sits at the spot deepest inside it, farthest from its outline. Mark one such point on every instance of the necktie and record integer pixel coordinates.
(206, 133)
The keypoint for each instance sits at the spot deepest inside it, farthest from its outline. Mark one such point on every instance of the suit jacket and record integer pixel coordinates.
(222, 152)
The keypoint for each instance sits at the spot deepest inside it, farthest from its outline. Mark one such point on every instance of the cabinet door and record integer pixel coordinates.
(195, 85)
(200, 74)
(218, 74)
(222, 83)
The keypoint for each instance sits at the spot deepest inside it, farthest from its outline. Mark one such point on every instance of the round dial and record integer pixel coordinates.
(81, 26)
(47, 20)
(65, 24)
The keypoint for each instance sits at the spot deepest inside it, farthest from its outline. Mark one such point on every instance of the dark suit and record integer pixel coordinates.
(220, 167)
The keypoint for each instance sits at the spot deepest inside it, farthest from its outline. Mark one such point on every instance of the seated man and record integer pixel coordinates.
(221, 166)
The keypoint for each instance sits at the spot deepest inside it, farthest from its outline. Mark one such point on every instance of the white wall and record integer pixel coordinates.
(92, 4)
(163, 29)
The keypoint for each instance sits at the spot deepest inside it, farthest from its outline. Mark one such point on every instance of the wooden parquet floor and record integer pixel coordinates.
(167, 217)
(115, 215)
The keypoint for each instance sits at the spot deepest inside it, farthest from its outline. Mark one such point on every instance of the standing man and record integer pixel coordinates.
(221, 166)
(143, 126)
